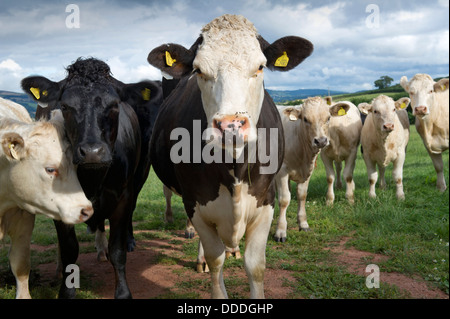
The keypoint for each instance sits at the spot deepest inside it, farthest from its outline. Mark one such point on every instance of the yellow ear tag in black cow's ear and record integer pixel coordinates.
(282, 61)
(36, 92)
(146, 94)
(45, 93)
(342, 112)
(169, 60)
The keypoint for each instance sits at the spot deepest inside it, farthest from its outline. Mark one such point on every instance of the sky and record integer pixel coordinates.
(355, 41)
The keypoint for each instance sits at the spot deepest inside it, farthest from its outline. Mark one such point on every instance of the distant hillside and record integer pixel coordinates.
(284, 96)
(21, 99)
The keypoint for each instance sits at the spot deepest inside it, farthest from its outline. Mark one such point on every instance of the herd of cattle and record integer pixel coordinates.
(89, 153)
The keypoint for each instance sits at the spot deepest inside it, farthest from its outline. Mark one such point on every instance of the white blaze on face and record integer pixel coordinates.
(229, 66)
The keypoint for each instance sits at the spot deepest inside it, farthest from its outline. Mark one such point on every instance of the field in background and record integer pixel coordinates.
(411, 236)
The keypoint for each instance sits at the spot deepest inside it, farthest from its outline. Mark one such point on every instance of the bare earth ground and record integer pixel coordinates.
(149, 277)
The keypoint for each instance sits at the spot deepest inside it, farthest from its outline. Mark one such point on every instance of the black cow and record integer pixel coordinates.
(223, 176)
(109, 125)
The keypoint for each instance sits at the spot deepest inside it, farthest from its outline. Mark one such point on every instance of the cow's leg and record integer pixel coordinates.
(68, 252)
(202, 266)
(190, 230)
(284, 198)
(168, 214)
(118, 246)
(214, 250)
(101, 243)
(20, 230)
(382, 177)
(338, 175)
(373, 176)
(302, 192)
(328, 163)
(397, 174)
(348, 176)
(439, 167)
(255, 251)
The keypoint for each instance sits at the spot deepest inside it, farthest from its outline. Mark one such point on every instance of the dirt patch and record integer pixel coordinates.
(356, 262)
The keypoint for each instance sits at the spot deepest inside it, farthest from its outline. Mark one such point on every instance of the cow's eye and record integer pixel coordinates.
(305, 120)
(51, 171)
(197, 71)
(375, 112)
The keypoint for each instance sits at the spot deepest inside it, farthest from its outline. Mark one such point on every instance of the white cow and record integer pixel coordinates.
(345, 135)
(36, 177)
(306, 134)
(384, 138)
(430, 104)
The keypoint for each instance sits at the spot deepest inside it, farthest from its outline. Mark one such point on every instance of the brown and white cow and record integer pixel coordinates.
(227, 191)
(345, 135)
(306, 134)
(430, 104)
(384, 138)
(36, 177)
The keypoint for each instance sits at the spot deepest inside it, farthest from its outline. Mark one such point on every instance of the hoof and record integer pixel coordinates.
(202, 268)
(189, 234)
(307, 229)
(102, 256)
(131, 244)
(236, 254)
(280, 239)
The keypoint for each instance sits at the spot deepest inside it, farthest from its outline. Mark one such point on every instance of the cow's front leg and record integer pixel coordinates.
(348, 176)
(439, 168)
(284, 198)
(302, 192)
(397, 174)
(328, 163)
(20, 229)
(68, 253)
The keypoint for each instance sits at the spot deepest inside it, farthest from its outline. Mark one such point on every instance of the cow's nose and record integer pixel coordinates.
(233, 125)
(320, 142)
(86, 213)
(388, 127)
(421, 110)
(91, 154)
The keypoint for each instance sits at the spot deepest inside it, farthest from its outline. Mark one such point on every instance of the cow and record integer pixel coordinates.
(226, 183)
(306, 134)
(36, 177)
(109, 147)
(384, 138)
(344, 138)
(430, 104)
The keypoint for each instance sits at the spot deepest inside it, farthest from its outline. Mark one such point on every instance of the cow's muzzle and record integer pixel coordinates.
(233, 128)
(421, 111)
(93, 155)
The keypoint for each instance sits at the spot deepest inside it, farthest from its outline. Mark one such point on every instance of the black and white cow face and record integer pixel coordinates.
(229, 60)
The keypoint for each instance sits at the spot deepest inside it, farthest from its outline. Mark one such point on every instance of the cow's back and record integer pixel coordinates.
(10, 109)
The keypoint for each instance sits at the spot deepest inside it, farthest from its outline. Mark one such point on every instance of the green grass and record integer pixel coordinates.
(412, 234)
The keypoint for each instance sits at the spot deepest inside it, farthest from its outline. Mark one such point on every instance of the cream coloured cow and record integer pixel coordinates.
(306, 134)
(430, 104)
(344, 133)
(384, 138)
(36, 177)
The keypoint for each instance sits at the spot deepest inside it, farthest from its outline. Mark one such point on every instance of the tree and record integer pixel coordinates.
(384, 82)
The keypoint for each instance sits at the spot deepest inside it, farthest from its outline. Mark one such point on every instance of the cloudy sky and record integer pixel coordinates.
(356, 41)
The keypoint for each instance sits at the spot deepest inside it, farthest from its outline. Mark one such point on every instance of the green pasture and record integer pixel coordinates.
(412, 234)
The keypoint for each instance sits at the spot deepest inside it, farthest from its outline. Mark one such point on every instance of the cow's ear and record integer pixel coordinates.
(13, 146)
(365, 108)
(339, 109)
(402, 103)
(141, 93)
(404, 83)
(441, 86)
(172, 59)
(292, 113)
(288, 52)
(41, 89)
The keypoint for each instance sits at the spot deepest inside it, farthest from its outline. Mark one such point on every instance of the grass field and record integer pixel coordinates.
(413, 235)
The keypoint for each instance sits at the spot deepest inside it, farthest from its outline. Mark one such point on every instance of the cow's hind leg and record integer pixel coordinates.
(439, 167)
(284, 198)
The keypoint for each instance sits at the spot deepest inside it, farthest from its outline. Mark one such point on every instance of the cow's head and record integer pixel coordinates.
(384, 111)
(314, 117)
(228, 60)
(90, 101)
(41, 176)
(422, 89)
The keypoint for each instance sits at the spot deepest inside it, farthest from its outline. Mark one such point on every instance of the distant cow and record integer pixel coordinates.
(36, 177)
(222, 102)
(344, 138)
(430, 104)
(384, 138)
(105, 121)
(306, 134)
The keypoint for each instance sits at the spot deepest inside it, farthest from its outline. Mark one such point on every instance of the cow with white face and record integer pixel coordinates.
(430, 104)
(384, 138)
(306, 134)
(36, 177)
(222, 88)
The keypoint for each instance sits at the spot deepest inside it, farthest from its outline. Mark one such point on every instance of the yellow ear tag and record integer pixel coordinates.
(329, 102)
(342, 112)
(13, 151)
(36, 92)
(169, 60)
(146, 94)
(293, 118)
(282, 61)
(443, 87)
(45, 93)
(403, 106)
